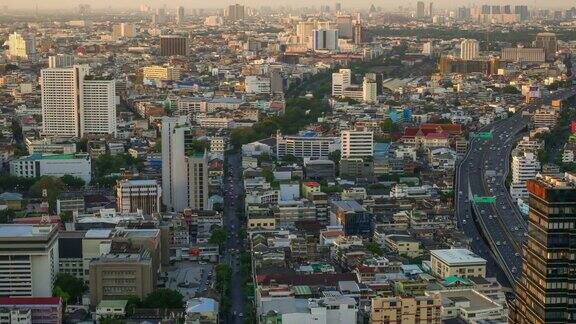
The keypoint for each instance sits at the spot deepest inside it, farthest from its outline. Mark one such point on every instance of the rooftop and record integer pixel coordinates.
(457, 256)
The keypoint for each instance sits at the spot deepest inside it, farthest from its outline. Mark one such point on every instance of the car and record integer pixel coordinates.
(241, 315)
(498, 243)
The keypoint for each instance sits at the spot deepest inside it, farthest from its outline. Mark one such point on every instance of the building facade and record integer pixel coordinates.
(134, 195)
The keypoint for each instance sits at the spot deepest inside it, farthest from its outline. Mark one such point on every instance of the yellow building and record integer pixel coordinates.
(403, 245)
(162, 73)
(409, 309)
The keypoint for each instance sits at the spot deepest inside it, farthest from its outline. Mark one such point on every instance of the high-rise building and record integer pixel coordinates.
(134, 195)
(60, 61)
(173, 45)
(547, 288)
(420, 9)
(340, 81)
(198, 180)
(61, 100)
(21, 46)
(464, 13)
(357, 143)
(520, 54)
(525, 166)
(235, 12)
(344, 23)
(175, 135)
(98, 106)
(123, 30)
(522, 11)
(180, 15)
(469, 49)
(369, 89)
(359, 31)
(549, 43)
(430, 9)
(325, 39)
(29, 255)
(304, 30)
(338, 6)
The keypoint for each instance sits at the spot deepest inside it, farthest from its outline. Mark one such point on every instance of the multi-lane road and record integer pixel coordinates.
(232, 193)
(497, 230)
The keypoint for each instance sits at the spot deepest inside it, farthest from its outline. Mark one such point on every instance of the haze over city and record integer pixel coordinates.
(334, 162)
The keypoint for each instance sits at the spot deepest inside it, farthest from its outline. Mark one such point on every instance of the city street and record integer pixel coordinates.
(232, 192)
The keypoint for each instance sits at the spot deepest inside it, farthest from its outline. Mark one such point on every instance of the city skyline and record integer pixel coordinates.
(360, 4)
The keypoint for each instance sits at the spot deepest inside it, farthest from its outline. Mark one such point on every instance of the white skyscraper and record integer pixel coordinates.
(357, 143)
(98, 106)
(469, 49)
(369, 90)
(525, 166)
(325, 39)
(21, 46)
(340, 81)
(174, 166)
(61, 100)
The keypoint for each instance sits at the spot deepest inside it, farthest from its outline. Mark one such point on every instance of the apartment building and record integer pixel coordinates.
(457, 262)
(134, 195)
(28, 259)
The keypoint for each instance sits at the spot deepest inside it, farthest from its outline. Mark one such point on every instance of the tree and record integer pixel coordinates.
(163, 298)
(6, 216)
(53, 186)
(73, 182)
(133, 302)
(69, 286)
(335, 156)
(66, 216)
(374, 248)
(218, 237)
(388, 126)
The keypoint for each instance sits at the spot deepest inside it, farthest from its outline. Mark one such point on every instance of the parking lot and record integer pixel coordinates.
(190, 278)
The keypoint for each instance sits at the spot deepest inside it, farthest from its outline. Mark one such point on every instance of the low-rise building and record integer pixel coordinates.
(406, 309)
(56, 165)
(457, 262)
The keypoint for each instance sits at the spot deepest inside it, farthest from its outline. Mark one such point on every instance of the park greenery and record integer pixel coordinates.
(299, 113)
(69, 288)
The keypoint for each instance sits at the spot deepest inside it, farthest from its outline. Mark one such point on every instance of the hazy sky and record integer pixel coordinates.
(51, 4)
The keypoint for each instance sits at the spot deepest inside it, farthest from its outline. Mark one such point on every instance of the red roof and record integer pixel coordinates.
(452, 129)
(311, 184)
(29, 301)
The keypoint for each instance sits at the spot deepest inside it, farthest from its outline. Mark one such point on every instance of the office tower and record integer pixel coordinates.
(525, 166)
(522, 11)
(430, 8)
(549, 43)
(175, 136)
(464, 13)
(134, 195)
(60, 61)
(29, 255)
(61, 100)
(359, 31)
(180, 15)
(304, 30)
(21, 46)
(469, 49)
(123, 30)
(340, 81)
(369, 89)
(338, 6)
(173, 45)
(98, 106)
(198, 180)
(357, 143)
(276, 80)
(325, 39)
(546, 290)
(420, 9)
(344, 25)
(235, 12)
